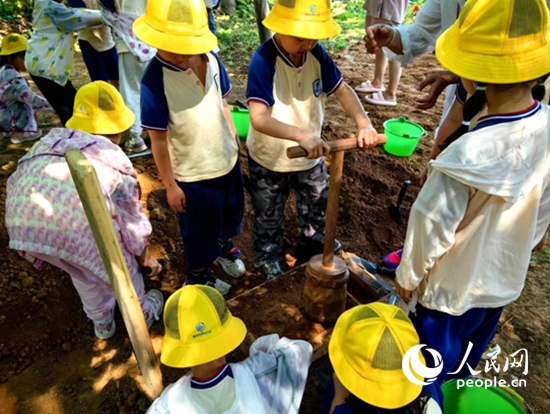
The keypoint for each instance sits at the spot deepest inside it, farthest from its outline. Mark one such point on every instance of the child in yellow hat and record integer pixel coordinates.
(200, 332)
(367, 349)
(289, 78)
(193, 138)
(18, 103)
(47, 223)
(486, 202)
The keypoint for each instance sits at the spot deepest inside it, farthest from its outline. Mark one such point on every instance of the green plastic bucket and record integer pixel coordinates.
(403, 136)
(481, 400)
(241, 119)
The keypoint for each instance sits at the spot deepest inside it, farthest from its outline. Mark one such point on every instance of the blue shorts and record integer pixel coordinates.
(214, 211)
(102, 66)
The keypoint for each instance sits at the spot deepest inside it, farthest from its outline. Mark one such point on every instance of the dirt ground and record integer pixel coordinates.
(50, 361)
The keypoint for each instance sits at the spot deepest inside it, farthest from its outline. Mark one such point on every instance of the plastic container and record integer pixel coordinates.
(481, 400)
(241, 119)
(403, 136)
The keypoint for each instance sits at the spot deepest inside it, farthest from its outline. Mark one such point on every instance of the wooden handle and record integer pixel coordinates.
(101, 223)
(336, 167)
(335, 146)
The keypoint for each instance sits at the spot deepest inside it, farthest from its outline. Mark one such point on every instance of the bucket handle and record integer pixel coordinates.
(518, 397)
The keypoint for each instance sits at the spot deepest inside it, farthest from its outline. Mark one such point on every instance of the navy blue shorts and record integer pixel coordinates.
(214, 211)
(101, 65)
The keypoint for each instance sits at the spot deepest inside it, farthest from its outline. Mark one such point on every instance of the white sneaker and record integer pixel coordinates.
(220, 286)
(232, 267)
(107, 328)
(156, 302)
(135, 145)
(18, 138)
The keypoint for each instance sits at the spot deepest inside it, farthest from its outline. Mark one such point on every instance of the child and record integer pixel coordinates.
(47, 223)
(392, 13)
(194, 142)
(50, 52)
(133, 57)
(97, 47)
(289, 77)
(366, 351)
(486, 202)
(200, 332)
(18, 102)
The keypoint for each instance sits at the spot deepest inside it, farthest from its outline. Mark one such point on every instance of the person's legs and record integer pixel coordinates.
(380, 65)
(61, 98)
(395, 76)
(269, 191)
(130, 74)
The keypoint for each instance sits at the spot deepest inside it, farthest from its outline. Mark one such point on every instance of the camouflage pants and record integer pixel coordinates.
(270, 191)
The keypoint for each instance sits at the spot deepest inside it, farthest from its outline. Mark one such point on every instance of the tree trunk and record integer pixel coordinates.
(262, 10)
(229, 7)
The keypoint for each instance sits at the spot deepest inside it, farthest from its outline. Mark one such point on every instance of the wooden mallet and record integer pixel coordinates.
(325, 292)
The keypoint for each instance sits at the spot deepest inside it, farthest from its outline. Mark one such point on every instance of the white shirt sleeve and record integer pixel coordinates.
(419, 37)
(435, 216)
(543, 216)
(160, 405)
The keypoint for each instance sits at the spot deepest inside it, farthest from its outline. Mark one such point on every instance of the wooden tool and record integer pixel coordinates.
(326, 276)
(101, 223)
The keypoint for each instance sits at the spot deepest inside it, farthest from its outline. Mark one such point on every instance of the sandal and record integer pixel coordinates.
(366, 87)
(148, 271)
(378, 99)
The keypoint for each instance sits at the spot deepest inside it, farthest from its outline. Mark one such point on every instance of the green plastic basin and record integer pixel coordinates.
(241, 119)
(479, 400)
(403, 136)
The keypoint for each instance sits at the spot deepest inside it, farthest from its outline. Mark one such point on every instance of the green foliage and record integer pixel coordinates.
(12, 8)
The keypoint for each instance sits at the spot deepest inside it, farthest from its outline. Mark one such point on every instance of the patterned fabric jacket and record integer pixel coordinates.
(43, 210)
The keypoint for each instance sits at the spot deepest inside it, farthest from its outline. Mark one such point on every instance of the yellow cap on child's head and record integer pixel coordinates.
(177, 26)
(100, 110)
(366, 350)
(306, 19)
(498, 41)
(13, 43)
(199, 327)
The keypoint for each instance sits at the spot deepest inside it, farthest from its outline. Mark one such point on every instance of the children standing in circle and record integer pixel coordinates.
(194, 141)
(289, 77)
(18, 102)
(486, 202)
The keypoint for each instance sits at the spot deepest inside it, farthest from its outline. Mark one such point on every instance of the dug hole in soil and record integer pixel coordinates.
(51, 362)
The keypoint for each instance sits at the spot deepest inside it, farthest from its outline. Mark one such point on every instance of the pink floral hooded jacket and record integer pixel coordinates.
(43, 210)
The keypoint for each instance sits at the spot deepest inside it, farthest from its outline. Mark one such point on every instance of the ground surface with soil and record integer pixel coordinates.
(50, 361)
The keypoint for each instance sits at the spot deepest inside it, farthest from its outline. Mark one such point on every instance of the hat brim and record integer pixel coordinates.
(13, 52)
(304, 30)
(103, 126)
(183, 45)
(492, 69)
(177, 355)
(386, 395)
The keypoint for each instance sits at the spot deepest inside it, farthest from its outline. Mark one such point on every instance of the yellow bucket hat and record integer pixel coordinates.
(498, 41)
(100, 110)
(366, 351)
(13, 43)
(177, 26)
(306, 19)
(199, 327)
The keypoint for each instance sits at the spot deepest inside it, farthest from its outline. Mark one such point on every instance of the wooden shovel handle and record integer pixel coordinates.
(340, 145)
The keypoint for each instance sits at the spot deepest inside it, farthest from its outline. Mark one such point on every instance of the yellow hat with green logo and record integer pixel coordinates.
(498, 41)
(366, 351)
(306, 19)
(13, 43)
(177, 26)
(199, 327)
(100, 110)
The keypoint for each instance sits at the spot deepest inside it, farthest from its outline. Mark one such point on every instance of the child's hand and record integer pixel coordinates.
(378, 36)
(437, 81)
(176, 199)
(405, 294)
(367, 137)
(314, 146)
(423, 176)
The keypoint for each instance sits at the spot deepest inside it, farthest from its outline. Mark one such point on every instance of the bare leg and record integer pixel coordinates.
(381, 63)
(395, 76)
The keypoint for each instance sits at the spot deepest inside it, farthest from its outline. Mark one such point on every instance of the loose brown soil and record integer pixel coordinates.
(50, 361)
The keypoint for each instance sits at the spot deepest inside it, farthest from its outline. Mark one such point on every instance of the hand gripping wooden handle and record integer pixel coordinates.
(340, 145)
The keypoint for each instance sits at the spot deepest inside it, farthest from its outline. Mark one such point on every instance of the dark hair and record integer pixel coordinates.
(477, 101)
(415, 407)
(4, 60)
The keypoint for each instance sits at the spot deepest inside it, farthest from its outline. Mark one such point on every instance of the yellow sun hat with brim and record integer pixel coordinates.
(177, 26)
(366, 351)
(100, 110)
(498, 41)
(311, 19)
(199, 327)
(13, 43)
